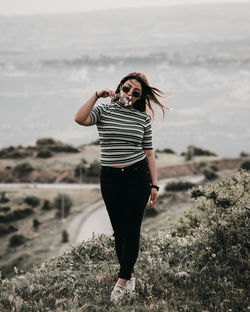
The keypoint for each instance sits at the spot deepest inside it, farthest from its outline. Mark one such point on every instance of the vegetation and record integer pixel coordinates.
(16, 214)
(3, 198)
(44, 153)
(246, 165)
(165, 150)
(244, 154)
(63, 203)
(193, 150)
(33, 201)
(22, 169)
(17, 240)
(198, 266)
(178, 186)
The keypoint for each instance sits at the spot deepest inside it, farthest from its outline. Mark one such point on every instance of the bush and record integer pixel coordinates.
(197, 151)
(44, 153)
(178, 186)
(6, 229)
(80, 168)
(60, 147)
(47, 205)
(22, 169)
(17, 240)
(65, 236)
(45, 141)
(243, 154)
(209, 174)
(3, 198)
(5, 209)
(245, 165)
(32, 201)
(63, 203)
(16, 215)
(165, 150)
(6, 150)
(36, 224)
(94, 169)
(55, 146)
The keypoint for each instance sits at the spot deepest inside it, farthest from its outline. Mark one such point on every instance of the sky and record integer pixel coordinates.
(29, 7)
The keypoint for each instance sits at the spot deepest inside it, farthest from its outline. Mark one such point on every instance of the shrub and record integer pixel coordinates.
(243, 154)
(47, 205)
(36, 224)
(94, 169)
(3, 198)
(63, 203)
(5, 209)
(17, 240)
(16, 215)
(197, 151)
(178, 186)
(80, 168)
(165, 150)
(6, 229)
(32, 201)
(209, 174)
(45, 141)
(245, 165)
(60, 147)
(65, 236)
(22, 169)
(44, 153)
(6, 150)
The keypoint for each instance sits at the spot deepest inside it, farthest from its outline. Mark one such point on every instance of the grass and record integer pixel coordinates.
(45, 242)
(204, 269)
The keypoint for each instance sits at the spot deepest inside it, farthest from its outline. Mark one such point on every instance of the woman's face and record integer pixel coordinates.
(134, 89)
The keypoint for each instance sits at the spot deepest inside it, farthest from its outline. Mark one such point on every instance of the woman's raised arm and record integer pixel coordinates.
(82, 116)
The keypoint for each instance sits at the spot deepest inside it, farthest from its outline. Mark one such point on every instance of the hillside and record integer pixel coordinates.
(200, 266)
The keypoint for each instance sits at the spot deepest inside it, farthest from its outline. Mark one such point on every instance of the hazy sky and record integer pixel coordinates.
(13, 7)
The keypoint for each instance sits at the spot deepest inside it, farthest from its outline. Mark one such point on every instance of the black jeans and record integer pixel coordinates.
(126, 192)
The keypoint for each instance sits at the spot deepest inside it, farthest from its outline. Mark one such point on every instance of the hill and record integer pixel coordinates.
(199, 266)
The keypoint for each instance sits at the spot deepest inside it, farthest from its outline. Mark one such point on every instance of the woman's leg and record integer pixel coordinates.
(113, 196)
(137, 200)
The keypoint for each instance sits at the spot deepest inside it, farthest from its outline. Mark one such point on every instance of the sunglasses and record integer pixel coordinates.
(135, 93)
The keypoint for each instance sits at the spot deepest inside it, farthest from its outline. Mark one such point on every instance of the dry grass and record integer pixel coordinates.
(45, 242)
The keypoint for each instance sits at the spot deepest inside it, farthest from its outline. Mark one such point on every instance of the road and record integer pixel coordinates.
(95, 219)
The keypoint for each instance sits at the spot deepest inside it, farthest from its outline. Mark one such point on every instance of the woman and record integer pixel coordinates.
(128, 168)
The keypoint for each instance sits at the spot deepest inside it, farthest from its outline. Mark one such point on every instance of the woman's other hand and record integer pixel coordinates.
(105, 93)
(153, 197)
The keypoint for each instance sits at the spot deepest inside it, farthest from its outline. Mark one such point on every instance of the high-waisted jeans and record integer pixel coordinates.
(126, 192)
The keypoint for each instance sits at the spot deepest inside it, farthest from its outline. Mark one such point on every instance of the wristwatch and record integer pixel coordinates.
(155, 186)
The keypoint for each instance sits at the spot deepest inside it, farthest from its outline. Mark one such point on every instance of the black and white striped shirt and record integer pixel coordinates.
(124, 133)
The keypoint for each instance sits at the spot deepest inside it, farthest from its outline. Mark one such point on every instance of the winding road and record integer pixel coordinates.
(94, 219)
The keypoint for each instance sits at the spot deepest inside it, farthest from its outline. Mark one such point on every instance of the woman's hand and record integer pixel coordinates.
(153, 197)
(105, 93)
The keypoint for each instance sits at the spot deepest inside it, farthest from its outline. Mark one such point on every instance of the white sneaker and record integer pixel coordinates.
(117, 293)
(130, 285)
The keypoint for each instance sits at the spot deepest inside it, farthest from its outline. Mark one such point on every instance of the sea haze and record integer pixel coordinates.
(50, 64)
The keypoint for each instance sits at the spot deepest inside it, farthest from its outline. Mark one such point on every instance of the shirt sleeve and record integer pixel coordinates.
(96, 113)
(147, 137)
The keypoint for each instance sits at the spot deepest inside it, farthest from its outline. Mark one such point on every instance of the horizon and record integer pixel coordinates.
(46, 7)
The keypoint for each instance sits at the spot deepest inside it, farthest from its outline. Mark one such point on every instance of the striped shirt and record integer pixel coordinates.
(124, 133)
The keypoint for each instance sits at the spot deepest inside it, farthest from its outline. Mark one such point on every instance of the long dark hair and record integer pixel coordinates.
(149, 93)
